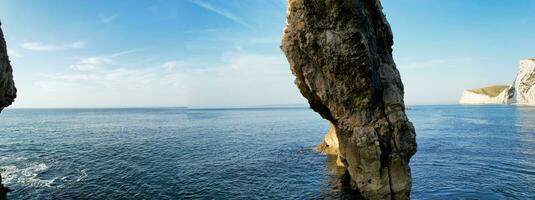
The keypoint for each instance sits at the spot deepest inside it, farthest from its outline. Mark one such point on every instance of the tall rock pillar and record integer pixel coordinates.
(340, 52)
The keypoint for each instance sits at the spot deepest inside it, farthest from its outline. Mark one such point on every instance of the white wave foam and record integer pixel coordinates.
(26, 176)
(8, 173)
(475, 121)
(73, 178)
(84, 174)
(12, 158)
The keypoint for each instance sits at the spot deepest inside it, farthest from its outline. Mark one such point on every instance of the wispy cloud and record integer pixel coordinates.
(440, 63)
(238, 78)
(14, 53)
(38, 46)
(224, 13)
(107, 19)
(214, 30)
(183, 65)
(95, 62)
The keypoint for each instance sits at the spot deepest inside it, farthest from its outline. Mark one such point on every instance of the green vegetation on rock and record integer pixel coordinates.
(491, 91)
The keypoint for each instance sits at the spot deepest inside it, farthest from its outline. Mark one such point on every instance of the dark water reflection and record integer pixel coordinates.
(338, 180)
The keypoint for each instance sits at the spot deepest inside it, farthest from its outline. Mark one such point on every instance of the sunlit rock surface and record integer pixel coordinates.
(330, 145)
(8, 92)
(524, 85)
(341, 55)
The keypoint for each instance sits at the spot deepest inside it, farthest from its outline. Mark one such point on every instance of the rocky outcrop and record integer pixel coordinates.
(3, 190)
(8, 92)
(522, 92)
(496, 94)
(341, 55)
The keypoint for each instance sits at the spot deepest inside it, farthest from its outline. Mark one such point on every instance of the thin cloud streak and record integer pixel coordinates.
(107, 19)
(95, 62)
(223, 13)
(38, 46)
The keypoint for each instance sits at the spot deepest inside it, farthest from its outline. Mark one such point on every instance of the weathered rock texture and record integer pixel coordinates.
(522, 92)
(341, 54)
(8, 92)
(524, 85)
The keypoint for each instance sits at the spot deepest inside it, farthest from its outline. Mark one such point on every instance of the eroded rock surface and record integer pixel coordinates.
(341, 54)
(8, 92)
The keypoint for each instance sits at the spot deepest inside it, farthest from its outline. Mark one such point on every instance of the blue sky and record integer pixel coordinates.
(220, 53)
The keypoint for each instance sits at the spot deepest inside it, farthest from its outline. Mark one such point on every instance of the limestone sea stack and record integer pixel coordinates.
(522, 92)
(8, 92)
(340, 52)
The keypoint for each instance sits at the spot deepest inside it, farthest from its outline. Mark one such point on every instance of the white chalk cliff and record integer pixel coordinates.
(522, 92)
(496, 94)
(524, 85)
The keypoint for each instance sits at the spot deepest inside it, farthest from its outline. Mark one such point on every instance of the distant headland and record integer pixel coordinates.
(521, 92)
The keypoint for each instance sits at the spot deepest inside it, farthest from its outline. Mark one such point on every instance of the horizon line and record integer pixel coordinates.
(204, 107)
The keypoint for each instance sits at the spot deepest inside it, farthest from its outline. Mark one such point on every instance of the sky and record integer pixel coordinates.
(226, 53)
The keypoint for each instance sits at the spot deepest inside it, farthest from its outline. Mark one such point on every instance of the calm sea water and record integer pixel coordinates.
(464, 152)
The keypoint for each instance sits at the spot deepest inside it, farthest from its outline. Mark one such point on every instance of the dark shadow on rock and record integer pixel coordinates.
(339, 181)
(3, 190)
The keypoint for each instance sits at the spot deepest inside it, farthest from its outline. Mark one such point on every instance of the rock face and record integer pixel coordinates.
(341, 54)
(3, 190)
(496, 94)
(330, 145)
(8, 92)
(522, 92)
(524, 85)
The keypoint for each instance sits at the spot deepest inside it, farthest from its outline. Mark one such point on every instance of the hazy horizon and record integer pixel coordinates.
(200, 53)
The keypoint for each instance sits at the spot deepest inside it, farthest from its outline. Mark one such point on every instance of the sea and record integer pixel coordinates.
(464, 152)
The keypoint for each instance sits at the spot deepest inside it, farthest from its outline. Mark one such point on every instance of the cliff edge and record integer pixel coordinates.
(522, 92)
(495, 94)
(341, 55)
(524, 84)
